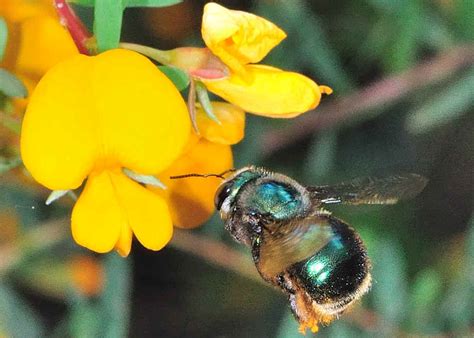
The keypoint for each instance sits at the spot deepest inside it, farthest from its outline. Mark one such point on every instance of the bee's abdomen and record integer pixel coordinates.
(338, 273)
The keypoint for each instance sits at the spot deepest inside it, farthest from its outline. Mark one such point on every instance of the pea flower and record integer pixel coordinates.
(91, 117)
(191, 200)
(236, 41)
(240, 39)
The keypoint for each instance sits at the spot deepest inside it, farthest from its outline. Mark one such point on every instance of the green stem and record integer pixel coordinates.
(161, 56)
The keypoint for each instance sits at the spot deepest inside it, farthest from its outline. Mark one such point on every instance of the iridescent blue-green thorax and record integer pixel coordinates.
(253, 193)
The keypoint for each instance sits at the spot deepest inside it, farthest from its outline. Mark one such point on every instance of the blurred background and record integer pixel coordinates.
(403, 79)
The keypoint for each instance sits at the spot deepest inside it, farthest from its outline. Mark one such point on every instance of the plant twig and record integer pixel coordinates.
(215, 253)
(78, 31)
(359, 104)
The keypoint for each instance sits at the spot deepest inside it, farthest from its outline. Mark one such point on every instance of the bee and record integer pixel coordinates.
(316, 259)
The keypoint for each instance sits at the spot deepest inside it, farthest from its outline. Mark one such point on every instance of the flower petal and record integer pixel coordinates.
(146, 122)
(147, 213)
(231, 127)
(124, 242)
(273, 92)
(191, 200)
(97, 217)
(238, 37)
(111, 206)
(114, 109)
(19, 10)
(59, 139)
(44, 43)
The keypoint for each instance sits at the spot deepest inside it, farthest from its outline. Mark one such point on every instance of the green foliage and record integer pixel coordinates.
(108, 23)
(115, 300)
(10, 85)
(109, 315)
(8, 164)
(390, 277)
(179, 78)
(309, 42)
(3, 37)
(444, 106)
(17, 319)
(205, 101)
(464, 19)
(407, 27)
(108, 18)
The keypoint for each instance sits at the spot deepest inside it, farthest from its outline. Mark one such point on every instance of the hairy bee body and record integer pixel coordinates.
(319, 261)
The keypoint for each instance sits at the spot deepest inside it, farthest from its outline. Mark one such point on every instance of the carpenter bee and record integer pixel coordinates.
(318, 260)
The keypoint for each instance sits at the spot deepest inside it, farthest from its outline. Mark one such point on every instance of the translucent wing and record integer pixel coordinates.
(289, 242)
(386, 190)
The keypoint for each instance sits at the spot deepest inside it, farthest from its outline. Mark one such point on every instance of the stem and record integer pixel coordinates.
(192, 104)
(361, 103)
(158, 55)
(216, 253)
(79, 33)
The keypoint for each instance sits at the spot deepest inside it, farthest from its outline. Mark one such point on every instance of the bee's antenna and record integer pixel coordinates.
(221, 175)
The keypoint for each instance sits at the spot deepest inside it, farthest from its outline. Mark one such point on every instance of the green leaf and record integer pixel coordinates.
(464, 18)
(3, 37)
(457, 303)
(145, 179)
(403, 49)
(108, 23)
(8, 164)
(89, 3)
(17, 318)
(425, 291)
(85, 319)
(151, 3)
(203, 98)
(115, 300)
(308, 42)
(426, 288)
(10, 85)
(55, 195)
(444, 106)
(390, 290)
(179, 78)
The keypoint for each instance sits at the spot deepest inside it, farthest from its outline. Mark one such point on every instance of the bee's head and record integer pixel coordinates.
(229, 189)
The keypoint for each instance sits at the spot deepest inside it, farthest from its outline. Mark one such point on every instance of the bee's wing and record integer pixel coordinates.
(286, 243)
(386, 190)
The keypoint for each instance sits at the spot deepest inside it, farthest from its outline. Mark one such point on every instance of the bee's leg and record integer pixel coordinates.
(303, 312)
(284, 284)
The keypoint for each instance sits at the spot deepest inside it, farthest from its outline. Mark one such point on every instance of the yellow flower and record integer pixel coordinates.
(36, 40)
(92, 117)
(240, 39)
(191, 200)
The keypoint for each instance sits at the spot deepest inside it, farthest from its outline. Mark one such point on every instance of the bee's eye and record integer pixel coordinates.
(222, 193)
